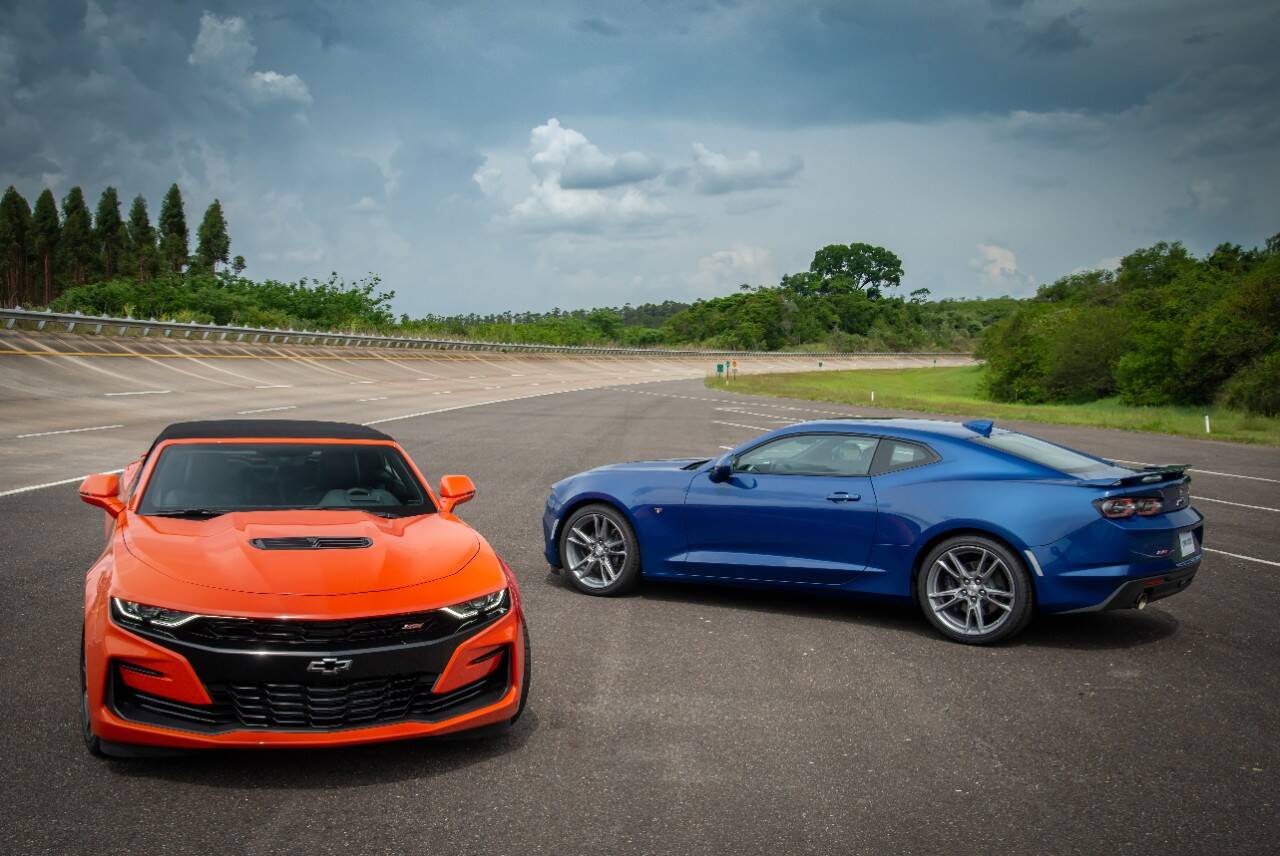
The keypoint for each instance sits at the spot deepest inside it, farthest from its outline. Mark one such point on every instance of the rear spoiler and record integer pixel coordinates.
(1146, 475)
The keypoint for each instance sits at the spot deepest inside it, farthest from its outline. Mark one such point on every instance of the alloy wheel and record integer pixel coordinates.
(596, 550)
(970, 590)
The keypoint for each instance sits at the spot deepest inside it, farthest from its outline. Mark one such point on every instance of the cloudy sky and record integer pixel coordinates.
(488, 156)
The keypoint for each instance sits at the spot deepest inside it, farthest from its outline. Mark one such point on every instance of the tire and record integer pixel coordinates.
(595, 540)
(975, 590)
(91, 741)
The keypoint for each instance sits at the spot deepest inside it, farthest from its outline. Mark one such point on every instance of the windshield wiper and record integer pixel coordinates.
(195, 513)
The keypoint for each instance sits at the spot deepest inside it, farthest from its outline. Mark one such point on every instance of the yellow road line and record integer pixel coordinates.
(13, 353)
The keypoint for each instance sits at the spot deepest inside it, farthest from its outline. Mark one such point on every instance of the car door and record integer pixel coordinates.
(797, 509)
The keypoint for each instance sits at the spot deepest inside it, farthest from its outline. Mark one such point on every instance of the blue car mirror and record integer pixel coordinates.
(722, 469)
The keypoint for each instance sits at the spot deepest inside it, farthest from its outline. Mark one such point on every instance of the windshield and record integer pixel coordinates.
(209, 479)
(1041, 452)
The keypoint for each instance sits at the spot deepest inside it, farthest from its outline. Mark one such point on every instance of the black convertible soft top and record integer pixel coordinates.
(217, 429)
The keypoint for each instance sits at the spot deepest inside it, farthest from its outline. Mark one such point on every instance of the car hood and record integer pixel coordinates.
(668, 464)
(217, 553)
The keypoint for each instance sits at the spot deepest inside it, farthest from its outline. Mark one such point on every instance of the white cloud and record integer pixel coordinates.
(999, 268)
(488, 177)
(561, 160)
(724, 270)
(579, 163)
(223, 43)
(224, 48)
(365, 204)
(1065, 128)
(717, 173)
(271, 86)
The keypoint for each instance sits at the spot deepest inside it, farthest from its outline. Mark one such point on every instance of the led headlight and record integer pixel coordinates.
(490, 604)
(155, 616)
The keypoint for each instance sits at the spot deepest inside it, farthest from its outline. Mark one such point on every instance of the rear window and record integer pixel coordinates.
(1041, 452)
(265, 476)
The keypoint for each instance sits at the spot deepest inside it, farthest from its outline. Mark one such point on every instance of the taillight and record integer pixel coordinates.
(1120, 507)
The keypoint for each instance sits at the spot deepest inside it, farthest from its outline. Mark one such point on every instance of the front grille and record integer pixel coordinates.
(306, 543)
(339, 634)
(310, 706)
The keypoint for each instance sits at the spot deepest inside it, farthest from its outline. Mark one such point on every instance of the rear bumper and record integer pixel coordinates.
(1136, 594)
(149, 692)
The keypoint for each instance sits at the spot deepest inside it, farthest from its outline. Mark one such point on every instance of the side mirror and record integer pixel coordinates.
(721, 470)
(455, 490)
(103, 490)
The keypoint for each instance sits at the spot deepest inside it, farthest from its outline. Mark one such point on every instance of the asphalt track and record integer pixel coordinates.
(683, 719)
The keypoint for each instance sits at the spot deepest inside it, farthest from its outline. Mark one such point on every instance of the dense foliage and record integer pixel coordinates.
(226, 298)
(1164, 328)
(43, 254)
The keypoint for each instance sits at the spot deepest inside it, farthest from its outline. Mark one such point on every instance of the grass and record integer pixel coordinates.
(960, 391)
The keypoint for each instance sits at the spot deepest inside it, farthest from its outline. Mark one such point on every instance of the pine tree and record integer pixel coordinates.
(108, 232)
(15, 239)
(214, 246)
(174, 237)
(76, 244)
(142, 241)
(45, 231)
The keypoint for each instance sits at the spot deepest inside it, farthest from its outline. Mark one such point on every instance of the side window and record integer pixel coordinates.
(811, 455)
(900, 455)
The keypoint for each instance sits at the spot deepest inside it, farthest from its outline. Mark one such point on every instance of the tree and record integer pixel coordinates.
(45, 231)
(15, 239)
(214, 245)
(174, 237)
(142, 241)
(75, 246)
(238, 265)
(855, 267)
(108, 231)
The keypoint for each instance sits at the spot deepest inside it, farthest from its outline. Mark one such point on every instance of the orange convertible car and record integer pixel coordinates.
(274, 583)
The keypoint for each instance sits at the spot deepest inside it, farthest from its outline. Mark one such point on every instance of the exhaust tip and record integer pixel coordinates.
(1142, 601)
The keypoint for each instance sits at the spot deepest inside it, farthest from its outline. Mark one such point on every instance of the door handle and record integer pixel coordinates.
(843, 496)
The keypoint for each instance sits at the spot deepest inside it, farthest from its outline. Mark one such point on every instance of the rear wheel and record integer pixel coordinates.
(975, 590)
(599, 551)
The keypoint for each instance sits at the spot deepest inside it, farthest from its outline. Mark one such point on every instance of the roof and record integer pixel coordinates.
(218, 429)
(895, 427)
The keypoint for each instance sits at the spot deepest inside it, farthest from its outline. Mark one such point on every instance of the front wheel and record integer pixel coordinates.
(599, 551)
(91, 741)
(975, 590)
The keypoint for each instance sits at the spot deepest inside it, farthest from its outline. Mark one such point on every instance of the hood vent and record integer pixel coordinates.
(333, 543)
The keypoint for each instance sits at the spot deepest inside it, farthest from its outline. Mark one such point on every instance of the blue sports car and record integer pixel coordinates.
(979, 525)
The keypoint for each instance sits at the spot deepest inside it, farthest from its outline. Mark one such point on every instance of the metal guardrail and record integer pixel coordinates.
(106, 325)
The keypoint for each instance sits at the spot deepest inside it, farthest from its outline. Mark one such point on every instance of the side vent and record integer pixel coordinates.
(311, 543)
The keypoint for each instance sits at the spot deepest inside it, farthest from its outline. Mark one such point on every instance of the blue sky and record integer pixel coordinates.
(491, 156)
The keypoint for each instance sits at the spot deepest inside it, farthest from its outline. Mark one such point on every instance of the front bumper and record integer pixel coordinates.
(165, 692)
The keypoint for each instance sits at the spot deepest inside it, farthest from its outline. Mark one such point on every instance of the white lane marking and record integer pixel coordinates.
(67, 431)
(1235, 475)
(357, 382)
(481, 404)
(727, 448)
(142, 392)
(379, 398)
(1220, 553)
(274, 386)
(1205, 472)
(266, 410)
(739, 425)
(1236, 504)
(31, 487)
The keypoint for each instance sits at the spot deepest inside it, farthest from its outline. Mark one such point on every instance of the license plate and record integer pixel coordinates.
(1187, 544)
